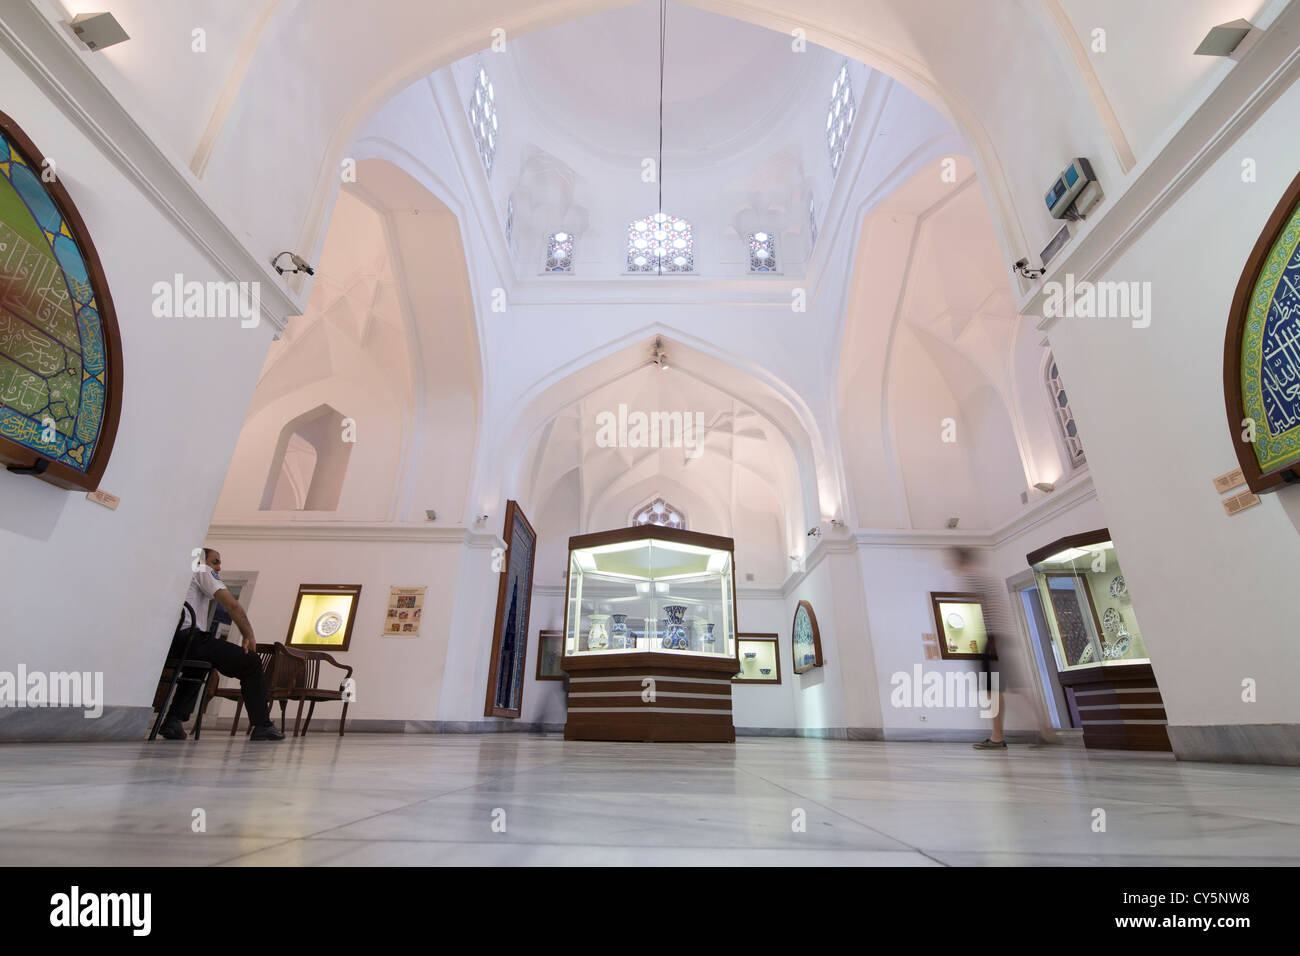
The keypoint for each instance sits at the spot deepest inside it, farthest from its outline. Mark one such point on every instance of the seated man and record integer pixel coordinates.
(228, 659)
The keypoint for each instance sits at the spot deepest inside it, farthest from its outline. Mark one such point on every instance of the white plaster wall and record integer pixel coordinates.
(87, 588)
(1214, 593)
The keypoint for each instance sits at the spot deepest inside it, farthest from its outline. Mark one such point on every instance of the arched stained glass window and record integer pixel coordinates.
(660, 243)
(762, 252)
(60, 353)
(659, 512)
(559, 252)
(483, 118)
(839, 118)
(1061, 411)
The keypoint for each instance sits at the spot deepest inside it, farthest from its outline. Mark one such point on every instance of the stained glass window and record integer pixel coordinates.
(59, 348)
(660, 243)
(659, 512)
(839, 118)
(559, 252)
(1061, 410)
(762, 252)
(483, 118)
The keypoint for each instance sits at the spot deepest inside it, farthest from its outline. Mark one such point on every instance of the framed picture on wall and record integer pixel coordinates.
(505, 692)
(323, 615)
(550, 651)
(806, 639)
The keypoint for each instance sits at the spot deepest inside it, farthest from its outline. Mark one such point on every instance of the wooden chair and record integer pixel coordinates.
(297, 677)
(266, 654)
(181, 670)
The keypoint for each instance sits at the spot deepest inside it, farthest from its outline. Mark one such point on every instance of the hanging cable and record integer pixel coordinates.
(659, 171)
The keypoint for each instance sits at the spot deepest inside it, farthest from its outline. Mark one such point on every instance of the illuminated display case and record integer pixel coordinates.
(656, 604)
(1088, 607)
(323, 615)
(760, 659)
(959, 621)
(1086, 619)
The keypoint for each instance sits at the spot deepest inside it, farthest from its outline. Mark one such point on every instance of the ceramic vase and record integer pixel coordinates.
(675, 630)
(619, 632)
(598, 636)
(704, 635)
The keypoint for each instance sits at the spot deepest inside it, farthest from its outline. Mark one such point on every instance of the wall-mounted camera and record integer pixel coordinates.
(299, 264)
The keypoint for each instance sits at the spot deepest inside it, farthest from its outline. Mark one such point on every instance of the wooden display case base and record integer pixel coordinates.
(689, 698)
(1118, 706)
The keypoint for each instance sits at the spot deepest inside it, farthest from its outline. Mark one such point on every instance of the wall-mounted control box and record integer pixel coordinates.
(1075, 192)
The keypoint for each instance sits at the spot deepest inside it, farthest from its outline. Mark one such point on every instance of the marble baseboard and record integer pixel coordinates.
(18, 724)
(1238, 743)
(821, 733)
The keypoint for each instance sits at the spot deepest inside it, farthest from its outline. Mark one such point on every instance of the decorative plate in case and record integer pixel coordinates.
(1111, 620)
(1117, 587)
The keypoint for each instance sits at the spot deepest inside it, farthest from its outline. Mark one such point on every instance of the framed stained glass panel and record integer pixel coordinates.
(806, 639)
(60, 351)
(505, 694)
(1261, 360)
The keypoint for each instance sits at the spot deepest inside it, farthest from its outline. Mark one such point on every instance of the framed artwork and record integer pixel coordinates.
(405, 608)
(505, 693)
(1261, 353)
(760, 659)
(805, 639)
(323, 616)
(959, 624)
(60, 351)
(550, 651)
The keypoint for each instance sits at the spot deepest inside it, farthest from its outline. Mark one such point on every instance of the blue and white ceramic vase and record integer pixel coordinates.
(619, 631)
(675, 631)
(704, 635)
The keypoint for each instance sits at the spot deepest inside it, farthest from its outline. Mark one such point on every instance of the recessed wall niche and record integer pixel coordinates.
(309, 464)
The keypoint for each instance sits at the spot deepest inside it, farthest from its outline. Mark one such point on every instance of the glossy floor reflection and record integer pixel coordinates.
(416, 799)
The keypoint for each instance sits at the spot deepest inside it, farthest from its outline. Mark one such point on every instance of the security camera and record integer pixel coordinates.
(299, 264)
(1021, 266)
(814, 532)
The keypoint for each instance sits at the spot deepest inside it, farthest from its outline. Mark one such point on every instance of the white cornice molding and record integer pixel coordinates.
(351, 531)
(1063, 500)
(1245, 93)
(48, 58)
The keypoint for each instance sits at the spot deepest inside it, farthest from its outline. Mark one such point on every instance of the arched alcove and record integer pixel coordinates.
(310, 463)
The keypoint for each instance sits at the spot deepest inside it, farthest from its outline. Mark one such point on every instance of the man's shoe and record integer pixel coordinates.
(990, 744)
(267, 732)
(173, 729)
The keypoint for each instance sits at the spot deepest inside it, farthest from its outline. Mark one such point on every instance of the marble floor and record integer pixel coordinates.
(508, 799)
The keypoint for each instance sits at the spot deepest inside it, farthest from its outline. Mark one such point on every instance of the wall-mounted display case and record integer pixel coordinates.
(1096, 644)
(760, 659)
(959, 621)
(323, 615)
(656, 603)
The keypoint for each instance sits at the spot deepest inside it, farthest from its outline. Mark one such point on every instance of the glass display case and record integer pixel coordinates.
(959, 620)
(760, 659)
(672, 593)
(1087, 607)
(650, 636)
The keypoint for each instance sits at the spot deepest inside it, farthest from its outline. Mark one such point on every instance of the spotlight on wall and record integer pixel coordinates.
(952, 522)
(299, 264)
(430, 514)
(481, 519)
(1224, 39)
(97, 30)
(814, 532)
(1046, 487)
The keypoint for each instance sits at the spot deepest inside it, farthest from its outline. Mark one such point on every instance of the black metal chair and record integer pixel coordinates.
(186, 671)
